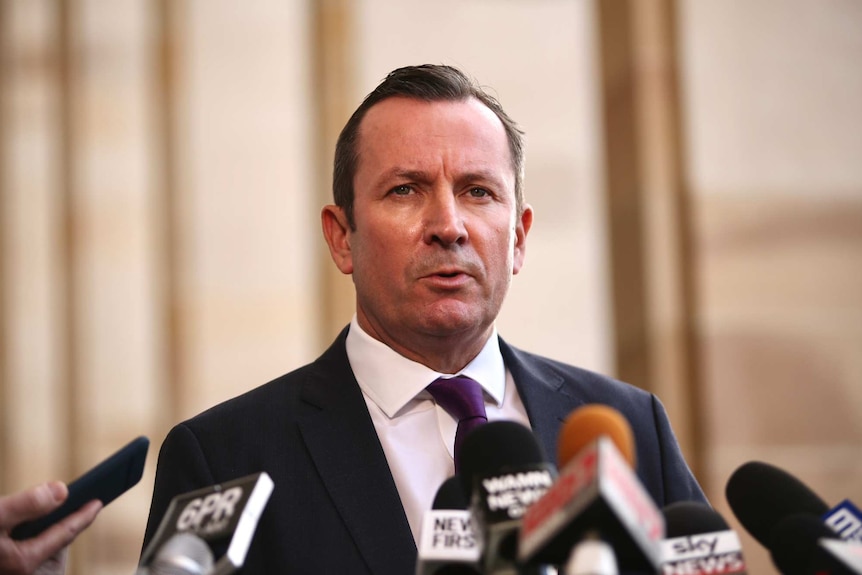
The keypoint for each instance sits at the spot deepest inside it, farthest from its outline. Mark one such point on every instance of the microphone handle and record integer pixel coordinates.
(592, 556)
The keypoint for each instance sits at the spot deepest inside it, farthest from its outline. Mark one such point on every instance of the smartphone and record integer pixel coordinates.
(105, 482)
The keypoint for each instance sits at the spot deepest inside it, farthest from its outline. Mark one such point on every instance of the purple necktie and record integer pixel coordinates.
(462, 398)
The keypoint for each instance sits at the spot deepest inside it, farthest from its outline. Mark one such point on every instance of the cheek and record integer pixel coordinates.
(499, 261)
(505, 243)
(379, 264)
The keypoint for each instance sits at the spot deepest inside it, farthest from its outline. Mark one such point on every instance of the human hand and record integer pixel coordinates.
(44, 554)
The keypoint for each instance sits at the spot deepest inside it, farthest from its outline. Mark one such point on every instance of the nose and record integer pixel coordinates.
(444, 221)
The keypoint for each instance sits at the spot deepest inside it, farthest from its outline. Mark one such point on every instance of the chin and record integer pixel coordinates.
(450, 322)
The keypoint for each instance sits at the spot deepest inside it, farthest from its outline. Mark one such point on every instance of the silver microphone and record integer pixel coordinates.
(183, 554)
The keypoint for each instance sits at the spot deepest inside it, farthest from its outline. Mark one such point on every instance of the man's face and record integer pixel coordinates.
(437, 236)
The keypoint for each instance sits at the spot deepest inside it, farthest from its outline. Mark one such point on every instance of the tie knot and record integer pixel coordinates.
(460, 396)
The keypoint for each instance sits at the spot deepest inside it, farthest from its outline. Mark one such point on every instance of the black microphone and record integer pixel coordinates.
(597, 496)
(450, 495)
(793, 496)
(777, 508)
(761, 495)
(685, 518)
(503, 471)
(698, 541)
(225, 512)
(801, 544)
(448, 543)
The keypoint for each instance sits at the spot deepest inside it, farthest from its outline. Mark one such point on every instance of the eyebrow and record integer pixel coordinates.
(398, 173)
(421, 176)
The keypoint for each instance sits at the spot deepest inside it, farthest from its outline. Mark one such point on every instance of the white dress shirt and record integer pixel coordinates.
(417, 435)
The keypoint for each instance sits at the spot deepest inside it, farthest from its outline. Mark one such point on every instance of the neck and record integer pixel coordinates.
(446, 353)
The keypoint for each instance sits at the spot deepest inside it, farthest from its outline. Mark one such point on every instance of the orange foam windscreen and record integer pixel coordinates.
(586, 424)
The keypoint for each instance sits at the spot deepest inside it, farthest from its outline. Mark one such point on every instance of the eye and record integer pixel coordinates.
(402, 190)
(479, 193)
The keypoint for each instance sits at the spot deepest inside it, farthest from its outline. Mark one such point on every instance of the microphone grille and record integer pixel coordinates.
(691, 518)
(183, 554)
(450, 495)
(761, 494)
(494, 447)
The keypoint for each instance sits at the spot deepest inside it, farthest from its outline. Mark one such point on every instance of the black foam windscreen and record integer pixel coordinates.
(691, 518)
(450, 495)
(761, 495)
(496, 447)
(793, 543)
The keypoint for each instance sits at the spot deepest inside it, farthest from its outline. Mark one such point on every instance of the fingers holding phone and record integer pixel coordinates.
(38, 523)
(44, 553)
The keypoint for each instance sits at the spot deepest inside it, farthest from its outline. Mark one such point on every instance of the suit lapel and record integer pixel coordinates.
(541, 390)
(343, 444)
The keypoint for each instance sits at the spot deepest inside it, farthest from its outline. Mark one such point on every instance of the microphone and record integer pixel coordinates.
(801, 544)
(761, 494)
(585, 424)
(764, 494)
(592, 557)
(450, 495)
(699, 541)
(596, 495)
(448, 544)
(503, 471)
(183, 554)
(787, 518)
(227, 511)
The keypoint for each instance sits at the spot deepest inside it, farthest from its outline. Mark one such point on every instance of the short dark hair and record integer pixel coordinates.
(431, 83)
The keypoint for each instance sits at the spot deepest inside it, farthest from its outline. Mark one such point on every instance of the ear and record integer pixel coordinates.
(337, 232)
(522, 228)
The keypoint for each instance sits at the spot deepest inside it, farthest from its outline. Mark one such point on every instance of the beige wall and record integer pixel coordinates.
(162, 166)
(160, 233)
(774, 131)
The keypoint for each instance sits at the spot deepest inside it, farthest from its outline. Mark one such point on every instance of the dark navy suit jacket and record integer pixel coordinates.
(335, 508)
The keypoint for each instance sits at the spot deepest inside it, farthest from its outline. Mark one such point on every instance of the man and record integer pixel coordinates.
(46, 553)
(430, 221)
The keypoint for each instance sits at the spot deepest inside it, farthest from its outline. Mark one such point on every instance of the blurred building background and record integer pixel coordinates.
(695, 168)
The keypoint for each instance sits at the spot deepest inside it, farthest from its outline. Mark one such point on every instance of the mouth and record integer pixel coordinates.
(449, 273)
(447, 279)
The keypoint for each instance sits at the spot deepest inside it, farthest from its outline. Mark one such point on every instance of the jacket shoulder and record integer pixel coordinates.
(586, 385)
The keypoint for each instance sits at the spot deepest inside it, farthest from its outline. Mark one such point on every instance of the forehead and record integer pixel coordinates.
(401, 129)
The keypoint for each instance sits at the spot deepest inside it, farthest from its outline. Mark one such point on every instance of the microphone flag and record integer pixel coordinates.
(228, 510)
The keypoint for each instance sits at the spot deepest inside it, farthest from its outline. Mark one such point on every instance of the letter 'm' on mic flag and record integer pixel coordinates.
(227, 511)
(846, 520)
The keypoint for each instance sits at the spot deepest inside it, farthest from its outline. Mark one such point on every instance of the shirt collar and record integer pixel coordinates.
(391, 380)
